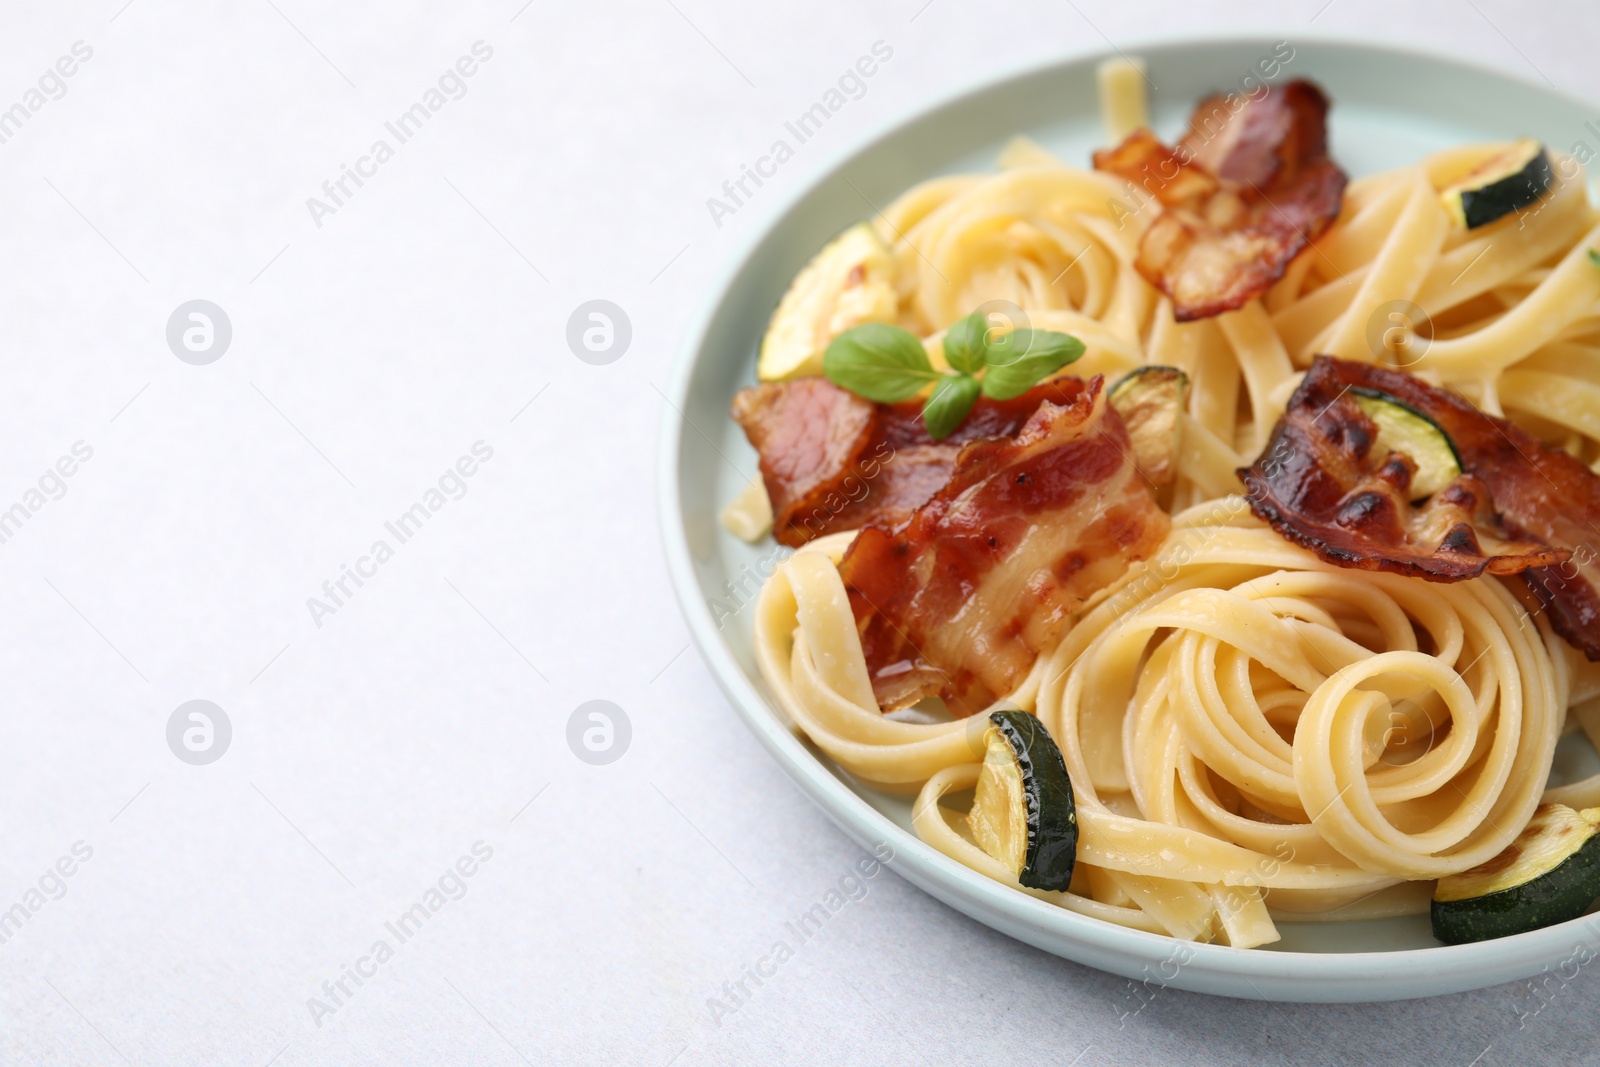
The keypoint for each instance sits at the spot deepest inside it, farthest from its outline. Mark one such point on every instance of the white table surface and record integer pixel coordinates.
(371, 752)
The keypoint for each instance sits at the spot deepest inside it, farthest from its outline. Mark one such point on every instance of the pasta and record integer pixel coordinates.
(1253, 734)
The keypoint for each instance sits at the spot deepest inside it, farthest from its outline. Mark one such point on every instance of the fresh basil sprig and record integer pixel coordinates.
(1594, 257)
(888, 364)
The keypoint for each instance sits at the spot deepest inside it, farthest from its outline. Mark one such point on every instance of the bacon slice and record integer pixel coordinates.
(1519, 508)
(832, 461)
(1542, 495)
(1267, 141)
(1160, 171)
(961, 599)
(1246, 190)
(810, 434)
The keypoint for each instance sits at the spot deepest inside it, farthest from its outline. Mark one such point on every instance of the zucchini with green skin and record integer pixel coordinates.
(1510, 181)
(1022, 812)
(1404, 429)
(1550, 874)
(1150, 403)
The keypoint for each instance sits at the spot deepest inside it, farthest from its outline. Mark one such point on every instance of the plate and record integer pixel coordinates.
(1390, 108)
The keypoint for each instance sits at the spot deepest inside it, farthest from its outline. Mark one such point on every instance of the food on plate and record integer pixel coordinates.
(1549, 874)
(960, 599)
(1150, 403)
(1022, 811)
(833, 460)
(1207, 538)
(1364, 479)
(849, 282)
(1241, 195)
(1513, 180)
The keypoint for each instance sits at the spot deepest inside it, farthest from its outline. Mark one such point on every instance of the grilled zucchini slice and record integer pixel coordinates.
(1404, 429)
(1550, 874)
(1023, 813)
(849, 282)
(1150, 401)
(1510, 181)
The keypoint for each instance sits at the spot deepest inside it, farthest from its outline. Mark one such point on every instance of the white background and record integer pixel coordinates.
(368, 354)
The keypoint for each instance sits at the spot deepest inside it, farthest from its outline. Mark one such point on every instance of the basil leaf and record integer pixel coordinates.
(878, 361)
(1022, 358)
(1594, 257)
(952, 398)
(964, 343)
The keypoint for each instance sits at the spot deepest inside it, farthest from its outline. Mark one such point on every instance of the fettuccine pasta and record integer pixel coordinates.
(1253, 734)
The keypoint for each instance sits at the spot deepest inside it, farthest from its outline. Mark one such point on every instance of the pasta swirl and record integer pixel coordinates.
(1252, 734)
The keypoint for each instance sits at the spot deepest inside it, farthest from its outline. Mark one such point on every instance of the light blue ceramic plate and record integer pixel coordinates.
(1390, 107)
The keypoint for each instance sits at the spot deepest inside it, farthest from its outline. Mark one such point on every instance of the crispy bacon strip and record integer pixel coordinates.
(833, 461)
(960, 600)
(1266, 141)
(1519, 508)
(1248, 187)
(1160, 171)
(811, 435)
(1542, 495)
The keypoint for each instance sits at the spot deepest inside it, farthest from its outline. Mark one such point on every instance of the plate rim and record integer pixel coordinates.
(1296, 976)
